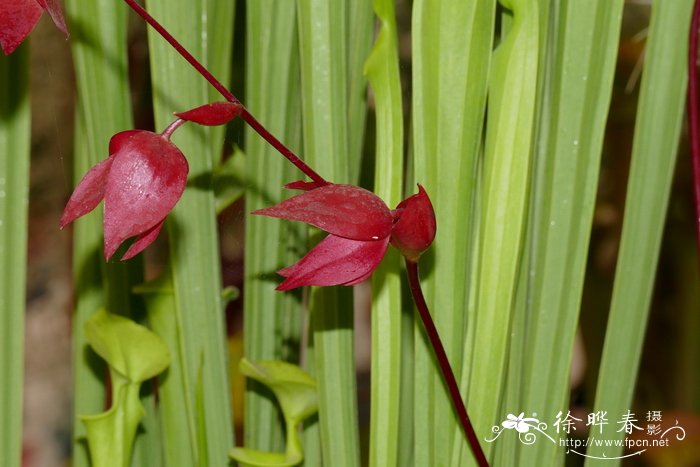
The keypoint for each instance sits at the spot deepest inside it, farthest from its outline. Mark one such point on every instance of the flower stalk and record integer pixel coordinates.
(694, 113)
(410, 228)
(445, 368)
(228, 95)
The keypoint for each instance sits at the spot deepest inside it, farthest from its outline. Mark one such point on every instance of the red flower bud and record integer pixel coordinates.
(414, 225)
(216, 113)
(360, 226)
(359, 223)
(140, 182)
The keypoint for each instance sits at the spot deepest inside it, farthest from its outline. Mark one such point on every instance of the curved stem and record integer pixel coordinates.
(168, 132)
(447, 373)
(228, 95)
(694, 112)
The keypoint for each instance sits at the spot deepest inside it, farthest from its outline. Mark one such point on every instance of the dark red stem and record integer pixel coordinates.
(447, 373)
(694, 113)
(245, 115)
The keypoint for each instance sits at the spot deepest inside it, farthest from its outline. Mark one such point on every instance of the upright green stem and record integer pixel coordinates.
(445, 368)
(245, 115)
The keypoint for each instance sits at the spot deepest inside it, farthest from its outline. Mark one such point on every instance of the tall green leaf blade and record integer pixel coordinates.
(360, 33)
(510, 129)
(579, 67)
(656, 135)
(176, 413)
(547, 310)
(272, 321)
(194, 259)
(382, 70)
(323, 44)
(98, 43)
(14, 199)
(451, 54)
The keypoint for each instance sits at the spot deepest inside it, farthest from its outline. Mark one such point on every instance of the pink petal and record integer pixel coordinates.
(143, 240)
(343, 210)
(414, 231)
(53, 7)
(88, 194)
(17, 19)
(216, 113)
(148, 177)
(335, 261)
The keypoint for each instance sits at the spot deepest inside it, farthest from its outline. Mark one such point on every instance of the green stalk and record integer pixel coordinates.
(14, 199)
(451, 55)
(382, 70)
(194, 258)
(272, 320)
(657, 131)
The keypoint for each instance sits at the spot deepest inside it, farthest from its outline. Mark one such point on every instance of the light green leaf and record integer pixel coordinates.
(111, 434)
(656, 135)
(228, 180)
(14, 197)
(130, 349)
(294, 388)
(382, 71)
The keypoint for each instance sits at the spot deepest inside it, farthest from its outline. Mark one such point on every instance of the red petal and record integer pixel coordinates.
(17, 19)
(343, 210)
(88, 194)
(302, 185)
(414, 231)
(147, 178)
(335, 261)
(53, 7)
(143, 240)
(120, 139)
(216, 113)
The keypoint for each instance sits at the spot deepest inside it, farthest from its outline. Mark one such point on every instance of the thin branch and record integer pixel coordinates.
(447, 373)
(694, 113)
(245, 115)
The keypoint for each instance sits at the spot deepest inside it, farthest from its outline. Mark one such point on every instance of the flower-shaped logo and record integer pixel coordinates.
(519, 423)
(360, 227)
(140, 182)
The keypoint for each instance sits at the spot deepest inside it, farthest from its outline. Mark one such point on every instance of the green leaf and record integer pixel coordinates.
(14, 196)
(452, 44)
(382, 71)
(98, 44)
(130, 349)
(297, 395)
(294, 388)
(657, 131)
(134, 354)
(192, 228)
(251, 457)
(506, 177)
(228, 180)
(272, 320)
(176, 400)
(323, 42)
(111, 434)
(579, 61)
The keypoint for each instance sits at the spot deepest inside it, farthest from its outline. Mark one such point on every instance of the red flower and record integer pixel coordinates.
(360, 226)
(140, 182)
(18, 17)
